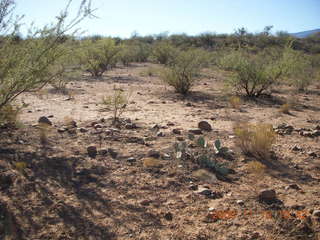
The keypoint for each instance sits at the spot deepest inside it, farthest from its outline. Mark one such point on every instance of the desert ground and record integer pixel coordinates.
(67, 191)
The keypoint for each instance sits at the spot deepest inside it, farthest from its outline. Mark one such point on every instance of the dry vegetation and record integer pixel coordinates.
(164, 137)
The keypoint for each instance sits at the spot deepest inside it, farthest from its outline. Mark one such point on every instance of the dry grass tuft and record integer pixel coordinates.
(152, 163)
(235, 102)
(20, 166)
(285, 108)
(255, 139)
(205, 175)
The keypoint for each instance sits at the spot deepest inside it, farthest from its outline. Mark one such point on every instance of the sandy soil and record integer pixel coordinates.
(62, 193)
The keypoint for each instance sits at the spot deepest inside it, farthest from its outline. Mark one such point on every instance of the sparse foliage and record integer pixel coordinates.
(117, 103)
(184, 70)
(98, 56)
(25, 65)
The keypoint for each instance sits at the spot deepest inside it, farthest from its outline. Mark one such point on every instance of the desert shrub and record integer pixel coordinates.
(142, 52)
(255, 139)
(117, 102)
(25, 64)
(164, 52)
(229, 61)
(65, 69)
(299, 68)
(98, 56)
(256, 73)
(126, 55)
(183, 70)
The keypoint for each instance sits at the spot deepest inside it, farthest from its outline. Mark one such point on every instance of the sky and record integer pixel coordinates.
(120, 18)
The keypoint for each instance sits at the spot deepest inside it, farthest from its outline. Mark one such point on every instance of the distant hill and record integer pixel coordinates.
(305, 33)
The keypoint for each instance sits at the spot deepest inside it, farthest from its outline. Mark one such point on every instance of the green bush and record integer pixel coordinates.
(164, 52)
(300, 68)
(255, 73)
(26, 64)
(65, 68)
(229, 60)
(98, 56)
(184, 70)
(126, 55)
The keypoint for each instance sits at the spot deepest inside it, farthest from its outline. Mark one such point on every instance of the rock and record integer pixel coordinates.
(176, 131)
(195, 131)
(205, 126)
(316, 133)
(83, 130)
(188, 104)
(160, 134)
(170, 124)
(154, 154)
(44, 120)
(96, 132)
(306, 134)
(131, 160)
(193, 187)
(62, 130)
(145, 202)
(6, 180)
(316, 213)
(267, 196)
(209, 193)
(92, 151)
(168, 216)
(7, 150)
(71, 124)
(72, 131)
(138, 140)
(312, 154)
(131, 126)
(297, 149)
(240, 202)
(103, 152)
(284, 129)
(98, 126)
(317, 127)
(180, 139)
(112, 153)
(293, 186)
(166, 156)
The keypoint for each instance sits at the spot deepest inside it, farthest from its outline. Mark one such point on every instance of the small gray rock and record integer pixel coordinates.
(112, 153)
(160, 134)
(83, 130)
(131, 160)
(195, 131)
(44, 120)
(176, 131)
(154, 154)
(92, 151)
(205, 126)
(268, 196)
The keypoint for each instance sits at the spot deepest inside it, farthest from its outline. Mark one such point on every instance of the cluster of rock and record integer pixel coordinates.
(285, 129)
